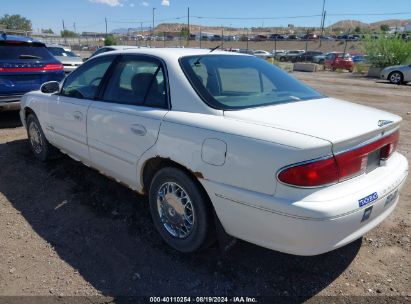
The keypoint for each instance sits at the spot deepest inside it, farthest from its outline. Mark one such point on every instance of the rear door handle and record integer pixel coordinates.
(139, 130)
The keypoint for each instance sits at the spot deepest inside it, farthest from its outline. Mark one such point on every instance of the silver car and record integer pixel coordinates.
(69, 60)
(397, 74)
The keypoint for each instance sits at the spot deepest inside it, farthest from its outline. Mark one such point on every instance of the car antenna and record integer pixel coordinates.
(214, 48)
(199, 58)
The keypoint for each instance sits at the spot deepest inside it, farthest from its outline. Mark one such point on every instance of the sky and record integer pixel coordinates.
(88, 15)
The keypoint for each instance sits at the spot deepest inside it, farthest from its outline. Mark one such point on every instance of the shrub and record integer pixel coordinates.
(386, 51)
(110, 40)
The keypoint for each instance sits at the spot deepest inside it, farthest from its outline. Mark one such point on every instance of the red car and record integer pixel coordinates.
(337, 60)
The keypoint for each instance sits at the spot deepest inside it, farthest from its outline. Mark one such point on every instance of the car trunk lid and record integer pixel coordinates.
(344, 124)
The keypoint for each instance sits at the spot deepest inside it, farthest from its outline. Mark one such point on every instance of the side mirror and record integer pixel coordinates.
(50, 87)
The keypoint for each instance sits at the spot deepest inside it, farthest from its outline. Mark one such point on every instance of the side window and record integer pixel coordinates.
(83, 83)
(137, 81)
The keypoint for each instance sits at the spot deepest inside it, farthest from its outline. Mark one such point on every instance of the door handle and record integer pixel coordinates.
(139, 130)
(78, 116)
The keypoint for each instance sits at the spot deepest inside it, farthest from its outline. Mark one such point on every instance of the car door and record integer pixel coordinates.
(68, 112)
(125, 121)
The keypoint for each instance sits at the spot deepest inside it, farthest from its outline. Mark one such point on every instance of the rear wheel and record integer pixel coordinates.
(396, 77)
(181, 212)
(39, 145)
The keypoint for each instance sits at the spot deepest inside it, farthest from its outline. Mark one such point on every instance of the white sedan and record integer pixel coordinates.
(223, 138)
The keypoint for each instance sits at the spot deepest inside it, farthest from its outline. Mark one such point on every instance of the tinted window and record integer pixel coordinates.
(84, 82)
(137, 81)
(101, 51)
(235, 82)
(58, 51)
(15, 52)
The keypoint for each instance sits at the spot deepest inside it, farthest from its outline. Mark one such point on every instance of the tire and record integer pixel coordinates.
(396, 77)
(39, 145)
(184, 223)
(321, 61)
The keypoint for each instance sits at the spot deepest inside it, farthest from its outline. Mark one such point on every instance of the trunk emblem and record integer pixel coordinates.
(382, 123)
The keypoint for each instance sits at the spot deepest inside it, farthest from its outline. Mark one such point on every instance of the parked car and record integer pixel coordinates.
(69, 60)
(274, 37)
(288, 56)
(263, 54)
(293, 37)
(115, 48)
(246, 51)
(225, 139)
(25, 64)
(337, 60)
(306, 56)
(320, 58)
(397, 74)
(358, 57)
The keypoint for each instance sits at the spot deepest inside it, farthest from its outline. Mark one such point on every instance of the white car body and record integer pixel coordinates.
(236, 155)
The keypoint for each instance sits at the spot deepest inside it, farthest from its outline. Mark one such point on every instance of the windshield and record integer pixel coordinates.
(236, 82)
(58, 51)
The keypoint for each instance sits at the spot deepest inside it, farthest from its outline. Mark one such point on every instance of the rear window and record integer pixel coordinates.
(58, 51)
(231, 82)
(24, 52)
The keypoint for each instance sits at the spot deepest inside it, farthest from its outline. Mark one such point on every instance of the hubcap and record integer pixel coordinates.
(175, 210)
(35, 138)
(396, 77)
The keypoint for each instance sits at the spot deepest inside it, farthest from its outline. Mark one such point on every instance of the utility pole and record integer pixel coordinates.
(201, 37)
(105, 20)
(74, 26)
(322, 21)
(141, 30)
(188, 24)
(222, 37)
(152, 34)
(64, 33)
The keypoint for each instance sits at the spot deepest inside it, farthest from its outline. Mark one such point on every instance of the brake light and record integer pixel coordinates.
(314, 174)
(339, 167)
(53, 67)
(24, 69)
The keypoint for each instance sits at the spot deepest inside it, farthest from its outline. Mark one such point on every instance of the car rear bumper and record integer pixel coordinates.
(302, 227)
(10, 102)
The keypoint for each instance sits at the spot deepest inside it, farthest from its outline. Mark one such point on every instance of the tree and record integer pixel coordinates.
(383, 52)
(47, 31)
(384, 27)
(16, 22)
(357, 29)
(110, 40)
(68, 34)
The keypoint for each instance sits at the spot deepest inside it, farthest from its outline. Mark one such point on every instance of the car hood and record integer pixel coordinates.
(66, 59)
(342, 123)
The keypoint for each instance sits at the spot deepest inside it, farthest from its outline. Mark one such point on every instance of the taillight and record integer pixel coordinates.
(24, 69)
(313, 174)
(339, 167)
(53, 67)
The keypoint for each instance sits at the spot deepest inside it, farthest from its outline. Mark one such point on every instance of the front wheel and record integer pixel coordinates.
(396, 77)
(180, 210)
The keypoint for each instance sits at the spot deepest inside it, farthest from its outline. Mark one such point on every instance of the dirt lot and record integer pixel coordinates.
(67, 230)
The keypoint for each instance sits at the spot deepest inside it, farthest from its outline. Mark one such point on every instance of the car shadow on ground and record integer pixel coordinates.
(104, 231)
(9, 119)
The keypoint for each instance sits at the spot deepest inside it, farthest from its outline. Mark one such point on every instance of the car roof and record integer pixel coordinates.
(4, 37)
(172, 53)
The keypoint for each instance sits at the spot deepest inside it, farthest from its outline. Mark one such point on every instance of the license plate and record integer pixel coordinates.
(368, 199)
(390, 198)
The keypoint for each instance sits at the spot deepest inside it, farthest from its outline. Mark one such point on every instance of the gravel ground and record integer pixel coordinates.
(66, 230)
